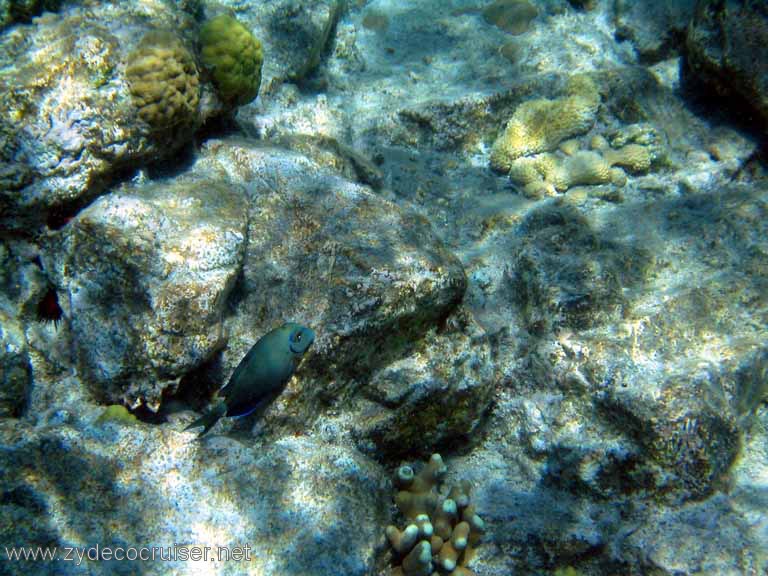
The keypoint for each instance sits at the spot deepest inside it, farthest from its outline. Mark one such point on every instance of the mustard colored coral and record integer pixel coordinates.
(540, 125)
(163, 81)
(552, 172)
(234, 57)
(632, 157)
(546, 174)
(441, 530)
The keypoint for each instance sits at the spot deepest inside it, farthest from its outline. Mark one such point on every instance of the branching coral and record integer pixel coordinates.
(441, 530)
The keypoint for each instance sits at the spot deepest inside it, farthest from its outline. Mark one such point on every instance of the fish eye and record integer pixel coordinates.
(298, 337)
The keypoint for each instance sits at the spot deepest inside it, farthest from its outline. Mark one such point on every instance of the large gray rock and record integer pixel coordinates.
(146, 271)
(369, 277)
(148, 274)
(302, 507)
(727, 49)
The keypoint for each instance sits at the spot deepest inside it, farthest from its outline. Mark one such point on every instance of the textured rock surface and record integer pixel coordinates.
(24, 329)
(146, 271)
(369, 277)
(656, 29)
(432, 398)
(611, 339)
(67, 119)
(633, 411)
(688, 540)
(15, 373)
(15, 11)
(566, 276)
(292, 501)
(727, 49)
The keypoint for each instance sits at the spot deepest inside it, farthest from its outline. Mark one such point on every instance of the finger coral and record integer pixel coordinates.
(163, 81)
(234, 57)
(441, 531)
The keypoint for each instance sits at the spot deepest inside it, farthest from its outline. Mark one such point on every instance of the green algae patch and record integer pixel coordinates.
(117, 414)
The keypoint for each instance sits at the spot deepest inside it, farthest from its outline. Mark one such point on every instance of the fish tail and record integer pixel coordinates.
(209, 418)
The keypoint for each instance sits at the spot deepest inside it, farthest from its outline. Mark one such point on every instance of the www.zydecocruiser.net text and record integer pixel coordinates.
(97, 553)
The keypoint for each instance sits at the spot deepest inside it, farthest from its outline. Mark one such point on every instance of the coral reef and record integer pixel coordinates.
(544, 174)
(68, 120)
(548, 173)
(296, 35)
(163, 80)
(598, 372)
(538, 151)
(442, 530)
(234, 57)
(540, 125)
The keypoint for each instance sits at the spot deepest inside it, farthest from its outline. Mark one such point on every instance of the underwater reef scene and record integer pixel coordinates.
(384, 287)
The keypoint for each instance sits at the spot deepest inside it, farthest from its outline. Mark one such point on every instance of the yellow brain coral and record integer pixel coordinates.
(540, 125)
(163, 81)
(234, 57)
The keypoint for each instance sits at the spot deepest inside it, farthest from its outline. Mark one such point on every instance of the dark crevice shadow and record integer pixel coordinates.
(716, 108)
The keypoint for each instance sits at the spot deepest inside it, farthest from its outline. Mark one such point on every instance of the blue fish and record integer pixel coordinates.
(261, 375)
